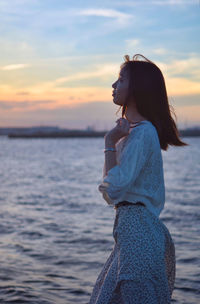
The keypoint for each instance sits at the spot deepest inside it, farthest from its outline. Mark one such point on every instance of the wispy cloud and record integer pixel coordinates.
(22, 93)
(98, 114)
(160, 51)
(186, 68)
(132, 43)
(102, 72)
(108, 13)
(178, 86)
(175, 2)
(70, 96)
(26, 104)
(18, 66)
(157, 2)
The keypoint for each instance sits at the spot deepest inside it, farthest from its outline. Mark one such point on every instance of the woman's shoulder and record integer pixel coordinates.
(145, 131)
(145, 126)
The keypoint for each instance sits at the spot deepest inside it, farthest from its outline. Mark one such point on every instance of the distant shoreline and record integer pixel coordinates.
(80, 134)
(56, 132)
(67, 134)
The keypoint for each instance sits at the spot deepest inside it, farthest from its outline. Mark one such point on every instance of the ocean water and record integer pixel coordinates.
(56, 229)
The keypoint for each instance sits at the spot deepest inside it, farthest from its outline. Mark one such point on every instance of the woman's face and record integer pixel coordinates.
(120, 87)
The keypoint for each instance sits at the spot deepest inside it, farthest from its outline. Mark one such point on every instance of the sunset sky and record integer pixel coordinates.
(59, 58)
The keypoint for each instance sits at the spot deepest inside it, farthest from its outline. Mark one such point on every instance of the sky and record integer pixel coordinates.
(59, 58)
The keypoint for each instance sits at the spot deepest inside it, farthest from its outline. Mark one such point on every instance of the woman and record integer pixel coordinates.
(141, 266)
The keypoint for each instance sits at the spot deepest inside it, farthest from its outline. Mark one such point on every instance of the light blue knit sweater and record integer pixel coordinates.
(138, 175)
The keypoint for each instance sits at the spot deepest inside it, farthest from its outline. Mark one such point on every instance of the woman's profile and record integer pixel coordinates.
(142, 265)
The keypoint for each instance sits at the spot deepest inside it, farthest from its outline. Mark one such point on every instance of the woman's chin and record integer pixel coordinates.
(116, 102)
(114, 99)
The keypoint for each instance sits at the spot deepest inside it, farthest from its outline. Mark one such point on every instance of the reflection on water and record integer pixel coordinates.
(56, 230)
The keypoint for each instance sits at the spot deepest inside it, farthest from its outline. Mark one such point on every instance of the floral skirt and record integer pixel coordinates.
(141, 267)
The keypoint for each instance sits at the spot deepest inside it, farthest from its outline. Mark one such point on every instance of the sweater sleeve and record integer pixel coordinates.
(132, 160)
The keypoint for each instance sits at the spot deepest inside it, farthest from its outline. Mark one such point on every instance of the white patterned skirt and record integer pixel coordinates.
(141, 266)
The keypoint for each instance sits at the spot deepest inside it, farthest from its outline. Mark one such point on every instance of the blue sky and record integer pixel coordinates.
(59, 58)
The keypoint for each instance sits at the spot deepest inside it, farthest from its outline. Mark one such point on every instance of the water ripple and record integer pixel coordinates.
(56, 230)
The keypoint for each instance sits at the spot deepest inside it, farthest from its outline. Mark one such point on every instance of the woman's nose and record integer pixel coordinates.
(114, 84)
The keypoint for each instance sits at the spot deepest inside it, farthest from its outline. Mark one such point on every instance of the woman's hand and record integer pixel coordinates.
(120, 130)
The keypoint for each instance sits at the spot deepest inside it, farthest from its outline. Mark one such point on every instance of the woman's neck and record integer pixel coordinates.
(134, 117)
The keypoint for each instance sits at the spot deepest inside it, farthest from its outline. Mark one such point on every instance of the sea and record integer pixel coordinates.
(56, 229)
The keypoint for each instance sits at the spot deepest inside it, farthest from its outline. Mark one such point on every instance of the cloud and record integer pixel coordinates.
(108, 13)
(102, 71)
(188, 114)
(182, 86)
(23, 93)
(160, 51)
(7, 105)
(186, 100)
(182, 68)
(101, 115)
(11, 67)
(181, 75)
(69, 96)
(132, 43)
(157, 2)
(175, 2)
(94, 83)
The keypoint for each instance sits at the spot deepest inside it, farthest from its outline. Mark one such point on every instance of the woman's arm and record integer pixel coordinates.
(111, 138)
(110, 156)
(132, 160)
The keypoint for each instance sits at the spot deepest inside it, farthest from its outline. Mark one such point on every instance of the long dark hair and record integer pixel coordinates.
(147, 89)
